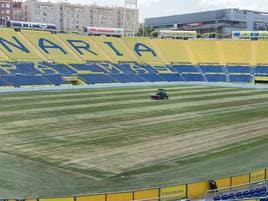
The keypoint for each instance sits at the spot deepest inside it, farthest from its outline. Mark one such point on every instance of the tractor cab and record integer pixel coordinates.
(161, 94)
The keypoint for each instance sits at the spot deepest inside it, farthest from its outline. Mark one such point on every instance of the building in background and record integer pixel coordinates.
(73, 17)
(18, 13)
(6, 11)
(221, 21)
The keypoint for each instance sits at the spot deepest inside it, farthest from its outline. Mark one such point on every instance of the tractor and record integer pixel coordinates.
(161, 94)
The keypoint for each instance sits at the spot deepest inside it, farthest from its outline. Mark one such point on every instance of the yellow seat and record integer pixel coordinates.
(144, 49)
(51, 46)
(262, 52)
(84, 47)
(173, 50)
(115, 48)
(204, 51)
(236, 52)
(15, 46)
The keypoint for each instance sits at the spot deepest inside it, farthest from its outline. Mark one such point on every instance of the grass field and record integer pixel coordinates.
(102, 140)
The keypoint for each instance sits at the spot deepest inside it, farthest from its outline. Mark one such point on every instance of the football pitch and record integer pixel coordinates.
(56, 143)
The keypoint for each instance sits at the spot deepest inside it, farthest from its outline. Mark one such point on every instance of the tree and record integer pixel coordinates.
(145, 31)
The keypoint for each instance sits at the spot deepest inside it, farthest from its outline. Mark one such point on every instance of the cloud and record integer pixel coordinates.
(154, 8)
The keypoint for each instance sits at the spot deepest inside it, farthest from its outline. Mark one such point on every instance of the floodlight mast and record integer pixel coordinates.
(130, 4)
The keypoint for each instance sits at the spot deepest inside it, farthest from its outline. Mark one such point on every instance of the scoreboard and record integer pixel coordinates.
(177, 34)
(249, 34)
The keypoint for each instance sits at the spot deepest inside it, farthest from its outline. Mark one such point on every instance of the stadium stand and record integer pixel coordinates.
(212, 69)
(242, 192)
(262, 52)
(62, 58)
(51, 46)
(144, 50)
(236, 52)
(216, 78)
(173, 51)
(14, 46)
(204, 51)
(115, 48)
(85, 48)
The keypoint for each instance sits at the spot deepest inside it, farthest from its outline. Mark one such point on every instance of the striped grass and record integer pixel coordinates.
(99, 140)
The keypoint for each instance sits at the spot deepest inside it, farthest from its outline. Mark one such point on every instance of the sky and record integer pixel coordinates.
(155, 8)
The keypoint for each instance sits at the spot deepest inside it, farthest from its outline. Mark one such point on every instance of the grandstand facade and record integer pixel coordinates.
(41, 58)
(222, 21)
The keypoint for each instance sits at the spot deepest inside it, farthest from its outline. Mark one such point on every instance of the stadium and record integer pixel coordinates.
(78, 123)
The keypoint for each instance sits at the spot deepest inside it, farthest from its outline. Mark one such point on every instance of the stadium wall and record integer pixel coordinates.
(192, 190)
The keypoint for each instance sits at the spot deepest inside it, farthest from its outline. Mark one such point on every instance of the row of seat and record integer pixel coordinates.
(243, 194)
(33, 80)
(29, 45)
(127, 68)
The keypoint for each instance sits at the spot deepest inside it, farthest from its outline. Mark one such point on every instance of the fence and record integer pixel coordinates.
(170, 193)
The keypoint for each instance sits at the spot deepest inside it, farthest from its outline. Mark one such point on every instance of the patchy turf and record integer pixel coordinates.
(101, 140)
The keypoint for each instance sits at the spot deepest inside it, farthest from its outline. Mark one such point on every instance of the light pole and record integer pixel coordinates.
(130, 3)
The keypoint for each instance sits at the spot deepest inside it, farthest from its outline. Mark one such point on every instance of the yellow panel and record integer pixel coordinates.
(174, 50)
(120, 197)
(197, 190)
(204, 51)
(257, 176)
(262, 52)
(173, 192)
(91, 198)
(21, 50)
(266, 173)
(148, 52)
(61, 54)
(224, 182)
(58, 199)
(115, 48)
(150, 195)
(96, 54)
(237, 52)
(240, 180)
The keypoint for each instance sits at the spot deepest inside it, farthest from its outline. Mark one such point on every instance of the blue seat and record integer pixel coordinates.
(61, 68)
(193, 77)
(151, 77)
(126, 78)
(240, 78)
(25, 69)
(216, 77)
(98, 78)
(185, 68)
(262, 70)
(171, 77)
(89, 67)
(211, 69)
(56, 79)
(238, 69)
